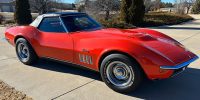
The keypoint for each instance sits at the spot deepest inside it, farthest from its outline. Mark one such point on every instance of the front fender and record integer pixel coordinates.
(150, 61)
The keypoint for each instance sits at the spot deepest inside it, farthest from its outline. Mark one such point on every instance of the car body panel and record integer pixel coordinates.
(53, 45)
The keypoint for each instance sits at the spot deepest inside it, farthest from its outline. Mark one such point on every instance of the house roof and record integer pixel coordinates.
(6, 1)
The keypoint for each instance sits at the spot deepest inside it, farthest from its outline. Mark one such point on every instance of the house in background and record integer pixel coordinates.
(167, 9)
(7, 5)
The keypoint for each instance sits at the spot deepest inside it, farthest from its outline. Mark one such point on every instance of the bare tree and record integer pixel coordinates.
(82, 5)
(179, 6)
(148, 4)
(157, 4)
(188, 5)
(42, 6)
(107, 6)
(152, 5)
(99, 7)
(184, 6)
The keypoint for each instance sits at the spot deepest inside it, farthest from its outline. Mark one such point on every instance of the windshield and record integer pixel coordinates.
(80, 23)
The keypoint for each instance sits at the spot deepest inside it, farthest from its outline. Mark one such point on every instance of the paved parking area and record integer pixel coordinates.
(51, 80)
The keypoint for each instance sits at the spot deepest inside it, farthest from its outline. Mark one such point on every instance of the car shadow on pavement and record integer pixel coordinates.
(66, 68)
(185, 86)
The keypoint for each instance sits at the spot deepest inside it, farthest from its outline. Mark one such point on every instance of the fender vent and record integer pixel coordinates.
(85, 59)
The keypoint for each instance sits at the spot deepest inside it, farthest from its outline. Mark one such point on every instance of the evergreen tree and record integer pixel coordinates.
(136, 12)
(22, 12)
(196, 7)
(125, 5)
(132, 11)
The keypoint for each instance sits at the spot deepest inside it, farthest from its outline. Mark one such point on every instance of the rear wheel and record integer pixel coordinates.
(25, 52)
(121, 73)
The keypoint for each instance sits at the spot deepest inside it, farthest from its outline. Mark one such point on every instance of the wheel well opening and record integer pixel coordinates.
(114, 52)
(17, 37)
(119, 52)
(15, 40)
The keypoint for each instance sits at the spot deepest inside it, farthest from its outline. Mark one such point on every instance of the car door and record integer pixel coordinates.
(79, 27)
(54, 40)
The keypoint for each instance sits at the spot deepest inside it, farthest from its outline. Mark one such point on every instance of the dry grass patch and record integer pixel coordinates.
(9, 93)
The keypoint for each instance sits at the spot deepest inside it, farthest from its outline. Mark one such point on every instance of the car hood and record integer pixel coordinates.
(157, 42)
(174, 52)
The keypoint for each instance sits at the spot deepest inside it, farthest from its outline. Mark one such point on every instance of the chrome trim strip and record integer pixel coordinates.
(64, 25)
(175, 74)
(91, 62)
(180, 65)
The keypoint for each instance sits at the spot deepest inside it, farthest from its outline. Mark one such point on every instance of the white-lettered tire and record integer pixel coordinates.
(25, 52)
(121, 73)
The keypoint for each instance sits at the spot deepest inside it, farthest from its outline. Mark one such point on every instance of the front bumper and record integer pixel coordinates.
(180, 67)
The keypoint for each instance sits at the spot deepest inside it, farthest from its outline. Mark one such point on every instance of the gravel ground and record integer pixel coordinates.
(9, 93)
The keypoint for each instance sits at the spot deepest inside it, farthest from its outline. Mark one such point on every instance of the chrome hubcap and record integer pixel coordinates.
(23, 52)
(119, 74)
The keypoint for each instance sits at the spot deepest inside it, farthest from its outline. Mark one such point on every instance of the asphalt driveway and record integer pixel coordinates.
(51, 80)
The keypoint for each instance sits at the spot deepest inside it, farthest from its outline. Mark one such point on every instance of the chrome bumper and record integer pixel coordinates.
(182, 65)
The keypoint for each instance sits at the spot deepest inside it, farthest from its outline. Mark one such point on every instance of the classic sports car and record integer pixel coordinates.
(122, 56)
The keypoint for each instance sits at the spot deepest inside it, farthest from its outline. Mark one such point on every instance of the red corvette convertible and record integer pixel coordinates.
(123, 57)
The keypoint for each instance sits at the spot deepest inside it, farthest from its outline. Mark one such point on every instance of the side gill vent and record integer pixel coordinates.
(85, 59)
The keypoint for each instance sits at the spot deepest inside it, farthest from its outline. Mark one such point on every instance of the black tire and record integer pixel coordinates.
(133, 66)
(32, 56)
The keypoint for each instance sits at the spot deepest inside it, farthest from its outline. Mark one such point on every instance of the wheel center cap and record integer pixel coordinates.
(120, 73)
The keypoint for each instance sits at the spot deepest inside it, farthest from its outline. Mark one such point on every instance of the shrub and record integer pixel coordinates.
(150, 20)
(22, 13)
(196, 7)
(115, 23)
(9, 22)
(164, 18)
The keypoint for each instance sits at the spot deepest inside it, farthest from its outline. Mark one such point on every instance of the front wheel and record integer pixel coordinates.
(121, 73)
(25, 52)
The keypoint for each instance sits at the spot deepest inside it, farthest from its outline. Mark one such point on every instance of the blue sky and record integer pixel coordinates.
(69, 1)
(72, 1)
(172, 1)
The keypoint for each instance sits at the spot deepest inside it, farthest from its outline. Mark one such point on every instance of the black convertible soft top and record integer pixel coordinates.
(37, 21)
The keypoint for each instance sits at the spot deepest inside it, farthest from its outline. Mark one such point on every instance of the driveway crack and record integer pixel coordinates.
(8, 58)
(189, 37)
(72, 90)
